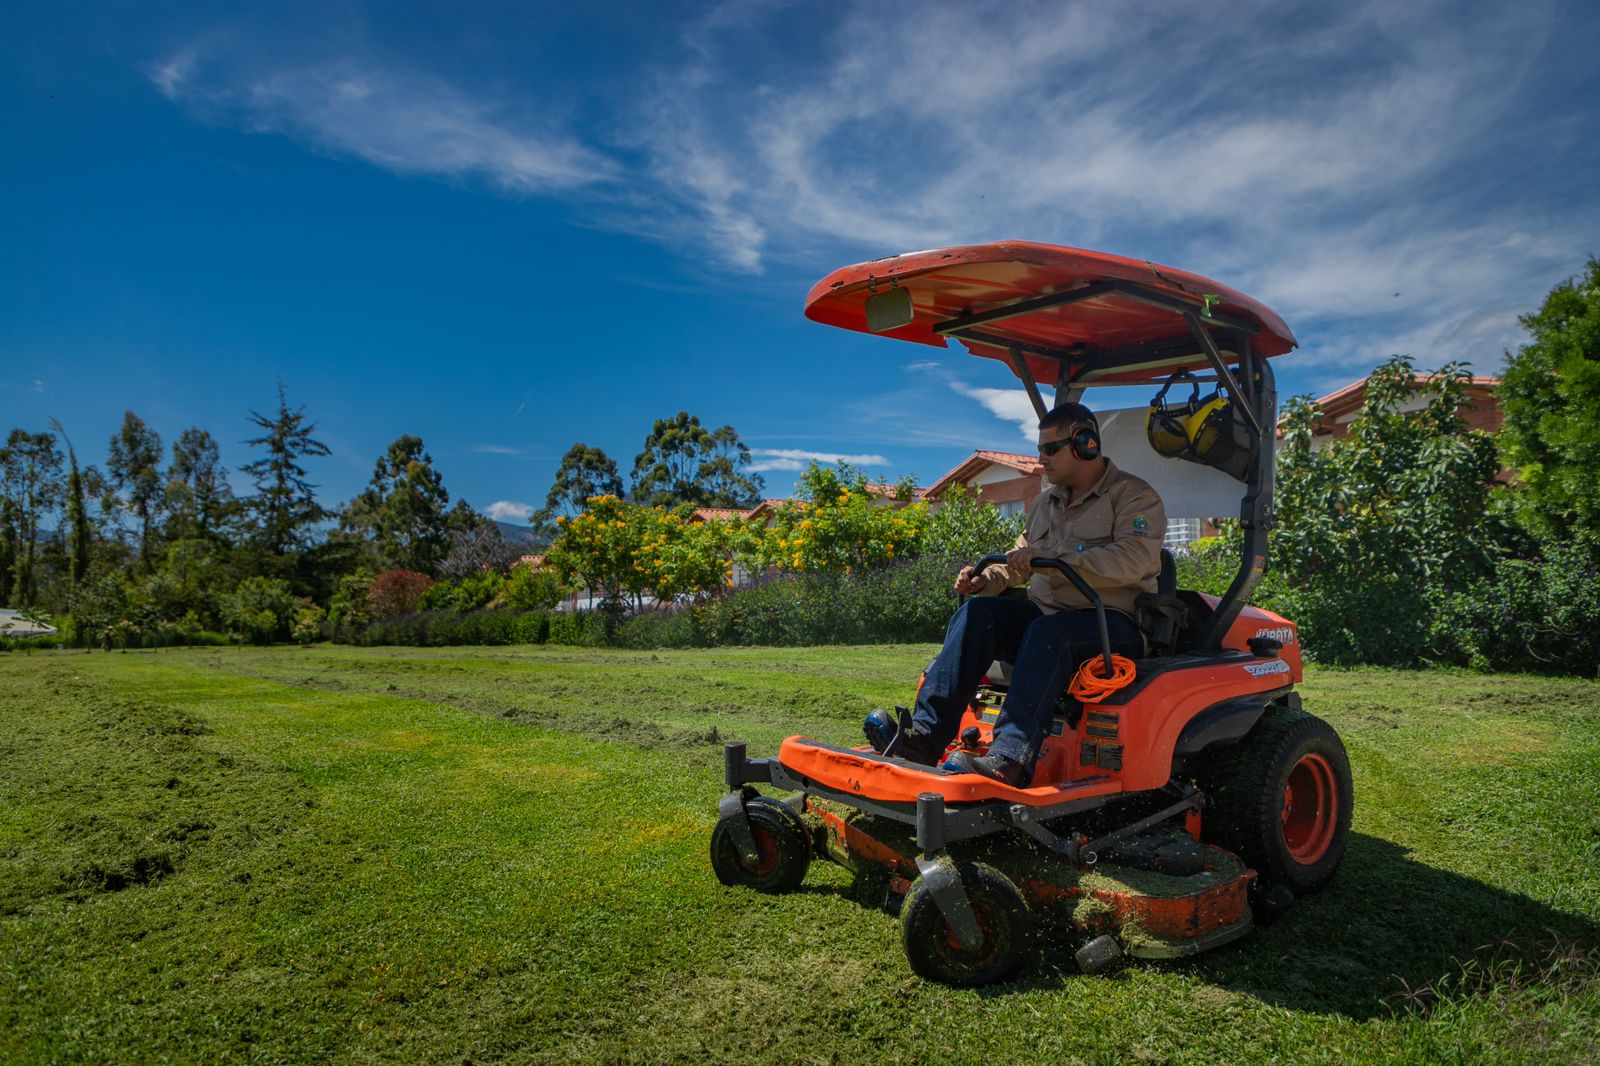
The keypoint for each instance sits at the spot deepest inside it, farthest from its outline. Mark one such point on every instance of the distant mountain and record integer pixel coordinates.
(522, 535)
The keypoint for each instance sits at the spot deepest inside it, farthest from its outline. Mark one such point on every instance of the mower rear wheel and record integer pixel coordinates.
(781, 839)
(1003, 920)
(1281, 799)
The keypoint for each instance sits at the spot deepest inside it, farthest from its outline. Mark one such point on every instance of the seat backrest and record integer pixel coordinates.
(1167, 582)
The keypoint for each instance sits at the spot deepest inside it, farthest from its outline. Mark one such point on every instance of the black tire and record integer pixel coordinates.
(1003, 918)
(1281, 799)
(780, 836)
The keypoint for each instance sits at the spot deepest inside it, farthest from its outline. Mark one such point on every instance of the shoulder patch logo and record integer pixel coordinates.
(1140, 524)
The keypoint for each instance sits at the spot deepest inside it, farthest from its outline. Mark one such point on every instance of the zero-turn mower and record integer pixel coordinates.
(1169, 816)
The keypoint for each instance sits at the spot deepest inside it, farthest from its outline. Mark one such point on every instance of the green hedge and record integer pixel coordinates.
(493, 627)
(906, 603)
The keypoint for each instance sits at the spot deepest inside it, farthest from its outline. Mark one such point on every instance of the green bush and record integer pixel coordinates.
(528, 589)
(1208, 565)
(307, 625)
(1375, 530)
(966, 528)
(909, 602)
(1539, 615)
(260, 610)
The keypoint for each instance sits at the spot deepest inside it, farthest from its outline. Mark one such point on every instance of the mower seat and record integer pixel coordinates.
(1161, 614)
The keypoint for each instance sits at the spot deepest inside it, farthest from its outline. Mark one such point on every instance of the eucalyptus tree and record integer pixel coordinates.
(199, 500)
(133, 463)
(404, 511)
(684, 462)
(31, 487)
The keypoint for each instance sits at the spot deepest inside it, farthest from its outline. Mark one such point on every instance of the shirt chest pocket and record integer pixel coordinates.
(1091, 529)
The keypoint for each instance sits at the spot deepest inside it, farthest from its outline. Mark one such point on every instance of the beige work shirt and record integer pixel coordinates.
(1111, 535)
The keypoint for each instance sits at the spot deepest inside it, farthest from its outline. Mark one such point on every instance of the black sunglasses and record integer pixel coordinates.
(1051, 447)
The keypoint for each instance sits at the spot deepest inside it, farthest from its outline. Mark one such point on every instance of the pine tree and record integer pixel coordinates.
(285, 503)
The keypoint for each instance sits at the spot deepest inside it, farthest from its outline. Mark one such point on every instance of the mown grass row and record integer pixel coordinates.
(499, 854)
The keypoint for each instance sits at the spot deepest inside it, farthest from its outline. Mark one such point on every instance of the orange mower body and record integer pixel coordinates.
(1178, 798)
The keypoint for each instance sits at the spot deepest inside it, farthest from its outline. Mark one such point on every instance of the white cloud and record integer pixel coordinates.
(798, 459)
(1012, 405)
(1324, 162)
(509, 511)
(390, 115)
(38, 384)
(495, 449)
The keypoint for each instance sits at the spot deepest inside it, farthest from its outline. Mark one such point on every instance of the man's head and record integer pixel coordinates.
(1069, 443)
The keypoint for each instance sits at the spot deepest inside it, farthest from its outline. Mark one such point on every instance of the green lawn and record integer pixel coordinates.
(474, 855)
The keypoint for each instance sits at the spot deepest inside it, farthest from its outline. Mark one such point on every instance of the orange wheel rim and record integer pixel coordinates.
(1310, 809)
(767, 847)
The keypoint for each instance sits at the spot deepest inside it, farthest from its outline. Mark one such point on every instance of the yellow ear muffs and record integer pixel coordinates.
(1166, 426)
(1210, 430)
(1167, 434)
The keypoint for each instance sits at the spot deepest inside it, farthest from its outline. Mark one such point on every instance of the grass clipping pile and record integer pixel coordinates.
(1059, 892)
(103, 793)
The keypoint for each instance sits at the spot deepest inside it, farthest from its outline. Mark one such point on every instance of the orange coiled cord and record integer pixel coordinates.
(1090, 685)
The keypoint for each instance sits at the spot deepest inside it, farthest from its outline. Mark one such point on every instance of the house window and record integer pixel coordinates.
(1181, 532)
(1010, 508)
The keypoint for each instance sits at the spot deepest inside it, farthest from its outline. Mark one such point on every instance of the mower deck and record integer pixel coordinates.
(1154, 915)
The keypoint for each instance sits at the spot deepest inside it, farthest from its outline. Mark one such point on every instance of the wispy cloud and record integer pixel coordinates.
(1375, 172)
(509, 511)
(1323, 161)
(384, 112)
(798, 459)
(494, 449)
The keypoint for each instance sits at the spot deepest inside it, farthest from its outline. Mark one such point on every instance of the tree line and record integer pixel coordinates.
(153, 544)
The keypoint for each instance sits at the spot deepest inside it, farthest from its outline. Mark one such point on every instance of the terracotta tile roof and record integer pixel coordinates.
(718, 514)
(888, 490)
(1023, 463)
(1352, 397)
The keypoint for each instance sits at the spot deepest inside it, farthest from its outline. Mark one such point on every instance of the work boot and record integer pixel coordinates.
(995, 767)
(892, 735)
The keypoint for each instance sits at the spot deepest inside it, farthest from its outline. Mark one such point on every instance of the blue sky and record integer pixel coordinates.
(509, 227)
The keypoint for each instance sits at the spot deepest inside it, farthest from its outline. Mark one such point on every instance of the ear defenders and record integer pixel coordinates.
(1085, 441)
(1203, 430)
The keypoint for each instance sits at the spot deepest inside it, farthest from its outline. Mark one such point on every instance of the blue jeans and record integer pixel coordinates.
(1044, 650)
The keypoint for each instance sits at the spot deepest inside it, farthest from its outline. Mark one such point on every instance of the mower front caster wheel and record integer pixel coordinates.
(782, 843)
(1003, 920)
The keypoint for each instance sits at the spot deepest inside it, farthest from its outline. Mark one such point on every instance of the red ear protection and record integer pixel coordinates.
(1086, 442)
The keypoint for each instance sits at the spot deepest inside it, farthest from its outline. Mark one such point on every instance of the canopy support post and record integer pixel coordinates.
(1240, 397)
(1020, 365)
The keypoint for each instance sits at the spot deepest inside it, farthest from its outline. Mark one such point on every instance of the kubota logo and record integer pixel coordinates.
(1282, 634)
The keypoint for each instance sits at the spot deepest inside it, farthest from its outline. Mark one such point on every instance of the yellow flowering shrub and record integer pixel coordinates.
(626, 552)
(838, 524)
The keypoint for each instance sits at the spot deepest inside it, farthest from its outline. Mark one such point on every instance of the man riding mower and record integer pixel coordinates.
(1174, 781)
